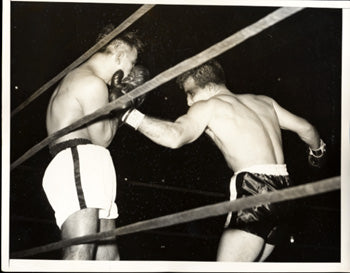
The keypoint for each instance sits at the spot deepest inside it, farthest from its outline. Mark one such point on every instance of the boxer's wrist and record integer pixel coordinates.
(319, 151)
(133, 118)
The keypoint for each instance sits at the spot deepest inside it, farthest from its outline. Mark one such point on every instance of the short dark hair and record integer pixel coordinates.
(210, 71)
(129, 38)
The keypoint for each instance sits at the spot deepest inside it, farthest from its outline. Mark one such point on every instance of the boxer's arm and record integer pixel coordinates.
(184, 130)
(305, 130)
(94, 95)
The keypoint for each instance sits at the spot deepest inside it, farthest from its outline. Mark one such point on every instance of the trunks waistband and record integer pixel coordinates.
(56, 148)
(269, 169)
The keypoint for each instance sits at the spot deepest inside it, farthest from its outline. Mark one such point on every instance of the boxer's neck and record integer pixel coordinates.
(102, 65)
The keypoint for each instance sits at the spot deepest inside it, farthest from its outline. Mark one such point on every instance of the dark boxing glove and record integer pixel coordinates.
(115, 89)
(137, 76)
(119, 87)
(317, 158)
(114, 92)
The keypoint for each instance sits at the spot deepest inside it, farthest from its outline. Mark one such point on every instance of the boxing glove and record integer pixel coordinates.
(119, 87)
(137, 76)
(317, 158)
(115, 89)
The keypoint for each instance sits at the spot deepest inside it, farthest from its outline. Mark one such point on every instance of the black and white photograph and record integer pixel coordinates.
(172, 137)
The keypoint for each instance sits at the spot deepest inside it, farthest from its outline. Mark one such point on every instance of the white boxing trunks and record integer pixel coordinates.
(81, 175)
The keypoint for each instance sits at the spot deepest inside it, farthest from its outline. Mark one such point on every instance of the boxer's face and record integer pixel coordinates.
(194, 92)
(128, 59)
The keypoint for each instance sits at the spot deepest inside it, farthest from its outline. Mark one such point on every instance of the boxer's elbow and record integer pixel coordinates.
(175, 145)
(177, 139)
(102, 140)
(108, 140)
(103, 136)
(108, 137)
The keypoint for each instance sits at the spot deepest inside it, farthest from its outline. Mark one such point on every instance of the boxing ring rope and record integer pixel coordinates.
(105, 40)
(176, 189)
(309, 189)
(211, 52)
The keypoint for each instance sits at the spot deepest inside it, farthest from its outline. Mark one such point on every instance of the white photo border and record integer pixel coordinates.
(153, 266)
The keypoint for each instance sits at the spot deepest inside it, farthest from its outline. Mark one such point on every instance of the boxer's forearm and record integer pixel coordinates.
(169, 134)
(162, 132)
(310, 136)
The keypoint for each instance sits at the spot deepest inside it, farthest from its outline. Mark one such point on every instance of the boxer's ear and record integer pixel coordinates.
(210, 86)
(119, 55)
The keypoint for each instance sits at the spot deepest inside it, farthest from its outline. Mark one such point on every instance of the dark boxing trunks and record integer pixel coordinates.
(266, 220)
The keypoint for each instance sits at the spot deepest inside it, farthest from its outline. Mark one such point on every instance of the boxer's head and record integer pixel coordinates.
(124, 49)
(198, 82)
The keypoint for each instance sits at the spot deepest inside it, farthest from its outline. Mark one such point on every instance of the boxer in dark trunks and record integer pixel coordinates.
(247, 130)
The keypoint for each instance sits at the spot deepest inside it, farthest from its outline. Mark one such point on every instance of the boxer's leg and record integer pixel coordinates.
(268, 248)
(239, 246)
(80, 223)
(107, 249)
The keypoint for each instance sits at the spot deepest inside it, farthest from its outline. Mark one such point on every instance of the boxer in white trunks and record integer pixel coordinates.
(80, 181)
(247, 130)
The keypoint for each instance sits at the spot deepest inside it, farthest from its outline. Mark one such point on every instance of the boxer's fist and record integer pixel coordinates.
(119, 86)
(115, 90)
(137, 76)
(317, 158)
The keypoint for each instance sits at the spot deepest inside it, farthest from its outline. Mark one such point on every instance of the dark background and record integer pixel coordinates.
(296, 61)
